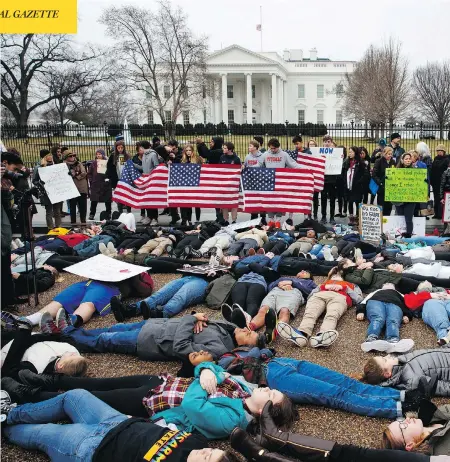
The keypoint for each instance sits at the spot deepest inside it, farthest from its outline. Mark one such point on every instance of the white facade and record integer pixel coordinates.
(251, 87)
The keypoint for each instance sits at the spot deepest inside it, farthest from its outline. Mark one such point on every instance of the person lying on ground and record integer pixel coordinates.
(19, 263)
(211, 402)
(97, 432)
(275, 445)
(405, 371)
(385, 308)
(39, 354)
(302, 245)
(334, 297)
(161, 339)
(45, 279)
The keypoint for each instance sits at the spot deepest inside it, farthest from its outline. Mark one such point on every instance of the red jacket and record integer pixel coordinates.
(415, 301)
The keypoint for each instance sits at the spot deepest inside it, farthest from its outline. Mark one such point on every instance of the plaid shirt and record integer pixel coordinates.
(171, 393)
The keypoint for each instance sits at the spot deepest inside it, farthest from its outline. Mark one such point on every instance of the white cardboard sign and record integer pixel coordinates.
(101, 166)
(394, 226)
(334, 159)
(446, 208)
(59, 185)
(106, 269)
(244, 224)
(371, 223)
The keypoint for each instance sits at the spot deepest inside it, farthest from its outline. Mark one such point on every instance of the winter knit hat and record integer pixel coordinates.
(395, 135)
(102, 152)
(382, 142)
(119, 137)
(441, 147)
(44, 152)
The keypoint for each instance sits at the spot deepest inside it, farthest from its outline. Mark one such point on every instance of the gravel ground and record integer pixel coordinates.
(344, 356)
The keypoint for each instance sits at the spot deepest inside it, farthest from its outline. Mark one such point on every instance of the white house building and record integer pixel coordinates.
(251, 87)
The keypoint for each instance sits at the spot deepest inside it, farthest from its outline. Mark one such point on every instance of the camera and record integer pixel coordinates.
(12, 175)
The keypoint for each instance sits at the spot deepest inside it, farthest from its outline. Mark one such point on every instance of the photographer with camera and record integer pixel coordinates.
(78, 173)
(13, 165)
(52, 211)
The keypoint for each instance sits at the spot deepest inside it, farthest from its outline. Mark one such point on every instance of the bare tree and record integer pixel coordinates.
(26, 59)
(378, 91)
(162, 57)
(431, 84)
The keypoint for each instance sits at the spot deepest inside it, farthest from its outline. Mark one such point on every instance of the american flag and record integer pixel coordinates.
(193, 185)
(277, 189)
(315, 163)
(142, 191)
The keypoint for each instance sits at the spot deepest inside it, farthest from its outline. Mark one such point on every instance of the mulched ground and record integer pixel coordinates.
(344, 356)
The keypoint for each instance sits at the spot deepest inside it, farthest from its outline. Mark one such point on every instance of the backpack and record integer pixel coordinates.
(140, 286)
(219, 290)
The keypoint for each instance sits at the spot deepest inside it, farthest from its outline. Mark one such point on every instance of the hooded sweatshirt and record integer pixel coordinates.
(280, 159)
(150, 161)
(254, 160)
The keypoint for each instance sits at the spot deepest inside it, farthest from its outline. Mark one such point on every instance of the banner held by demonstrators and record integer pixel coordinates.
(106, 269)
(370, 222)
(101, 166)
(334, 158)
(406, 185)
(58, 185)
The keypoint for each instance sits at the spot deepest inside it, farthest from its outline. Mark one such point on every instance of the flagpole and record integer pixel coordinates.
(260, 21)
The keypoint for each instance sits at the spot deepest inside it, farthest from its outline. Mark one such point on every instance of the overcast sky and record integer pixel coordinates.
(340, 30)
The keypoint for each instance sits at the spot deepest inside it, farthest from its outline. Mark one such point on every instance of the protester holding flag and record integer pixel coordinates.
(100, 185)
(229, 157)
(114, 167)
(190, 157)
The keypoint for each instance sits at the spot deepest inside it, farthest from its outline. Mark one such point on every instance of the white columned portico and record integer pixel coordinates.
(224, 98)
(248, 76)
(280, 100)
(264, 106)
(281, 116)
(274, 99)
(216, 102)
(212, 106)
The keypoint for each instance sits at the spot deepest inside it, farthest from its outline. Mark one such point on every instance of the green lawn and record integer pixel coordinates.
(29, 148)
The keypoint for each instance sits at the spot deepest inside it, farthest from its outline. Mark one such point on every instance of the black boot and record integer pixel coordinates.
(18, 392)
(122, 311)
(47, 381)
(291, 444)
(241, 441)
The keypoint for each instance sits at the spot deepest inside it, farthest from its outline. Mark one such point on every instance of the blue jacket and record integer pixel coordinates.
(284, 236)
(89, 247)
(305, 286)
(214, 418)
(261, 259)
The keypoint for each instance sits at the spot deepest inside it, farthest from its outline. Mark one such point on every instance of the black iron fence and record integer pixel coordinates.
(85, 139)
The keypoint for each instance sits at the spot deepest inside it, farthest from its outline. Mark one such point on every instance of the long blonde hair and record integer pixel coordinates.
(194, 159)
(44, 162)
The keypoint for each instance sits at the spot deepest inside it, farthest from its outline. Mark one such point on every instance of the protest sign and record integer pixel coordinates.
(106, 269)
(244, 224)
(203, 269)
(334, 159)
(395, 226)
(446, 208)
(406, 185)
(101, 166)
(58, 184)
(370, 222)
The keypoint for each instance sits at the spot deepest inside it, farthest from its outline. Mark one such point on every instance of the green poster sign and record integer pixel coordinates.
(406, 185)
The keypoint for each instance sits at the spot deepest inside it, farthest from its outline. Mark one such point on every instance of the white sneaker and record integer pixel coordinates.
(112, 252)
(358, 254)
(327, 254)
(375, 345)
(288, 332)
(152, 222)
(146, 221)
(141, 218)
(13, 245)
(19, 242)
(402, 346)
(324, 339)
(103, 249)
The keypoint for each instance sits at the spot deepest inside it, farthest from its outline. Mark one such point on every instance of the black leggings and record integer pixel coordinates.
(94, 208)
(350, 453)
(125, 394)
(186, 213)
(328, 193)
(171, 265)
(249, 296)
(277, 247)
(192, 240)
(81, 202)
(63, 261)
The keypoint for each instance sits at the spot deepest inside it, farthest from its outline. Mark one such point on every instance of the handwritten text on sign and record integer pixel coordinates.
(406, 185)
(371, 222)
(59, 185)
(334, 159)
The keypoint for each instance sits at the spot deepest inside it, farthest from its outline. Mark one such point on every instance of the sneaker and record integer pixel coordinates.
(145, 309)
(358, 254)
(175, 220)
(91, 217)
(271, 322)
(332, 222)
(238, 318)
(153, 222)
(327, 254)
(19, 243)
(400, 346)
(116, 308)
(335, 252)
(444, 340)
(62, 321)
(47, 325)
(146, 221)
(323, 339)
(288, 332)
(11, 322)
(13, 245)
(188, 250)
(226, 311)
(141, 219)
(102, 248)
(6, 405)
(323, 220)
(214, 260)
(112, 251)
(18, 391)
(375, 345)
(238, 308)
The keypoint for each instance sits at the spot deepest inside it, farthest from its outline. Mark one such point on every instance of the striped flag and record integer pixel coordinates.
(142, 191)
(277, 189)
(314, 163)
(193, 185)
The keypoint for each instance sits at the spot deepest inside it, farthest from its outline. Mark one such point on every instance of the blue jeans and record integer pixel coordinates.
(436, 314)
(381, 313)
(429, 240)
(29, 425)
(316, 249)
(309, 383)
(178, 295)
(120, 338)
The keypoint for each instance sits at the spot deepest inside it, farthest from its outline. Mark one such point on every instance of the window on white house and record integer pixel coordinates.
(150, 118)
(320, 113)
(230, 92)
(185, 117)
(338, 117)
(168, 116)
(148, 92)
(204, 116)
(231, 116)
(253, 91)
(301, 90)
(301, 116)
(320, 91)
(166, 91)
